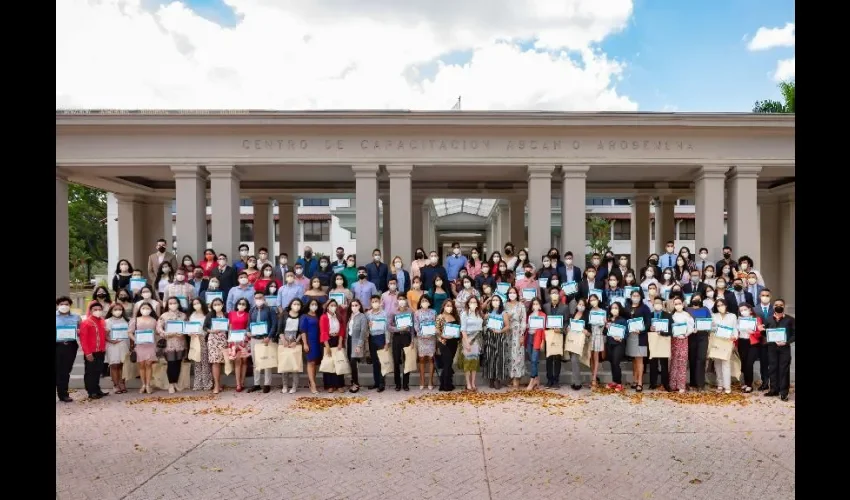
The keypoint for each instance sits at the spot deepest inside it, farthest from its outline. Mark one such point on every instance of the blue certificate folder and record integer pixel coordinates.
(403, 320)
(144, 336)
(66, 333)
(776, 335)
(616, 331)
(220, 324)
(451, 331)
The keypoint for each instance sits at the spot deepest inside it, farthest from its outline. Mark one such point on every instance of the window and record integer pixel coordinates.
(317, 230)
(209, 231)
(587, 234)
(246, 202)
(315, 202)
(623, 202)
(683, 202)
(622, 230)
(597, 201)
(246, 231)
(687, 229)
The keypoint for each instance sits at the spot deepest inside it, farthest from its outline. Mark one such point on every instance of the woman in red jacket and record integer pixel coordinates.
(208, 263)
(93, 342)
(534, 342)
(745, 340)
(332, 334)
(266, 277)
(239, 351)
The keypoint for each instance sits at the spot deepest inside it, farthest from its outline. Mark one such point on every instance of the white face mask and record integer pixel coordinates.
(243, 281)
(64, 309)
(339, 282)
(393, 288)
(213, 285)
(434, 260)
(187, 264)
(180, 278)
(456, 251)
(146, 312)
(267, 272)
(568, 262)
(259, 303)
(243, 253)
(117, 313)
(166, 270)
(473, 306)
(217, 307)
(744, 266)
(290, 279)
(594, 303)
(332, 309)
(679, 307)
(703, 256)
(467, 285)
(658, 307)
(765, 300)
(721, 309)
(299, 271)
(580, 308)
(173, 307)
(397, 265)
(512, 296)
(667, 276)
(496, 259)
(376, 258)
(555, 282)
(744, 312)
(314, 307)
(402, 303)
(146, 295)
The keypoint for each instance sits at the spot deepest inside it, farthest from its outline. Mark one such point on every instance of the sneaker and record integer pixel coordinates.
(293, 389)
(283, 391)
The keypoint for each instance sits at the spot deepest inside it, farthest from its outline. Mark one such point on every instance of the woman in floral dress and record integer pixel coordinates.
(216, 342)
(517, 313)
(425, 345)
(175, 343)
(471, 325)
(679, 346)
(203, 373)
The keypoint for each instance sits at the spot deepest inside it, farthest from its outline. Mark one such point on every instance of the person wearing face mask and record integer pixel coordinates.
(651, 294)
(175, 343)
(702, 261)
(93, 337)
(659, 365)
(263, 258)
(197, 281)
(495, 354)
(401, 276)
(432, 271)
(260, 312)
(623, 267)
(315, 292)
(146, 296)
(606, 267)
(389, 299)
(420, 260)
(510, 259)
(124, 297)
(649, 279)
(440, 293)
(694, 285)
(350, 271)
(651, 263)
(681, 273)
(66, 350)
(555, 307)
(216, 342)
(448, 346)
(667, 281)
(378, 339)
(212, 287)
(710, 294)
(637, 342)
(243, 291)
(159, 257)
(568, 270)
(209, 262)
(613, 292)
(723, 367)
(534, 343)
(308, 263)
(679, 348)
(686, 254)
(288, 334)
(495, 259)
(752, 285)
(226, 275)
(525, 278)
(522, 261)
(581, 313)
(764, 311)
(241, 263)
(721, 292)
(465, 292)
(101, 296)
(272, 299)
(473, 264)
(669, 257)
(698, 342)
(727, 259)
(339, 285)
(340, 258)
(332, 336)
(289, 291)
(485, 277)
(674, 291)
(503, 275)
(742, 296)
(597, 339)
(117, 346)
(266, 277)
(455, 262)
(357, 333)
(589, 282)
(251, 269)
(415, 293)
(547, 269)
(180, 289)
(555, 261)
(377, 271)
(709, 276)
(123, 273)
(399, 338)
(472, 323)
(614, 346)
(282, 267)
(779, 352)
(202, 371)
(188, 264)
(727, 273)
(145, 319)
(746, 268)
(457, 285)
(363, 289)
(325, 273)
(425, 344)
(239, 351)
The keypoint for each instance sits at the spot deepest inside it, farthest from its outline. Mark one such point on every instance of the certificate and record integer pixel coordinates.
(619, 299)
(665, 293)
(259, 329)
(570, 288)
(536, 322)
(495, 322)
(598, 318)
(237, 336)
(776, 335)
(704, 324)
(193, 327)
(427, 328)
(271, 300)
(554, 321)
(184, 302)
(451, 331)
(529, 293)
(339, 297)
(630, 289)
(66, 333)
(136, 284)
(338, 269)
(688, 298)
(616, 331)
(144, 336)
(379, 325)
(680, 329)
(118, 332)
(502, 287)
(724, 331)
(636, 325)
(542, 282)
(210, 296)
(595, 291)
(661, 325)
(174, 327)
(576, 326)
(747, 324)
(220, 324)
(403, 320)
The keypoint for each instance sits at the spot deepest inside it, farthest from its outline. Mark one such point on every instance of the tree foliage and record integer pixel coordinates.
(86, 229)
(600, 235)
(770, 106)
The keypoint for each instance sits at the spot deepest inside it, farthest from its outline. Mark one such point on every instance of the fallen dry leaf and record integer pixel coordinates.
(225, 411)
(172, 400)
(551, 401)
(323, 404)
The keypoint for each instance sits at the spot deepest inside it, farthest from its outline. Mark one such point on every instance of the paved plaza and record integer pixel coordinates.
(383, 446)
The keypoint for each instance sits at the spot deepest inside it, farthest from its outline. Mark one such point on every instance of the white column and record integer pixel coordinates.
(787, 252)
(574, 210)
(400, 212)
(287, 214)
(640, 229)
(191, 194)
(517, 224)
(131, 245)
(366, 218)
(263, 223)
(539, 210)
(505, 225)
(743, 213)
(63, 249)
(155, 213)
(770, 264)
(427, 229)
(224, 196)
(386, 226)
(499, 241)
(710, 210)
(665, 222)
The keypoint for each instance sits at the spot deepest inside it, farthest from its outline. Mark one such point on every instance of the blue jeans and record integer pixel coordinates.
(534, 355)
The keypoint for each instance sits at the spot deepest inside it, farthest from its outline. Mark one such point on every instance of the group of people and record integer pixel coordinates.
(499, 315)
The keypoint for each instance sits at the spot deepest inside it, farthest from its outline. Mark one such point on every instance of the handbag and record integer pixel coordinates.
(327, 365)
(341, 362)
(133, 357)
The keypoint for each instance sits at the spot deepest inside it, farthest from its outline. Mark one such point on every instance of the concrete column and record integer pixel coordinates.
(263, 223)
(505, 225)
(401, 219)
(131, 245)
(112, 257)
(366, 218)
(426, 230)
(490, 237)
(665, 222)
(787, 253)
(540, 211)
(640, 229)
(155, 213)
(770, 264)
(287, 213)
(224, 196)
(710, 210)
(574, 210)
(743, 224)
(191, 193)
(63, 248)
(498, 237)
(386, 226)
(517, 224)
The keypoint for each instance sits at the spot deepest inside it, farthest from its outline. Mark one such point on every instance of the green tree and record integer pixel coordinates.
(771, 106)
(600, 235)
(86, 229)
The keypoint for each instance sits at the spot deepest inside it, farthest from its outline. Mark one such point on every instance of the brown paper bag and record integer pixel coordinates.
(575, 343)
(290, 359)
(185, 380)
(385, 357)
(228, 363)
(327, 365)
(586, 353)
(720, 348)
(554, 343)
(194, 348)
(410, 358)
(341, 361)
(130, 370)
(159, 377)
(265, 356)
(659, 346)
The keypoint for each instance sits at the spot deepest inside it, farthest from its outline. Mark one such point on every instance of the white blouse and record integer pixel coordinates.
(684, 317)
(333, 324)
(727, 319)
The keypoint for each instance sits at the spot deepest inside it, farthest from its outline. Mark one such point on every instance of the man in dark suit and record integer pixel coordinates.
(742, 296)
(695, 285)
(779, 351)
(226, 274)
(377, 271)
(571, 272)
(723, 293)
(764, 310)
(157, 258)
(282, 267)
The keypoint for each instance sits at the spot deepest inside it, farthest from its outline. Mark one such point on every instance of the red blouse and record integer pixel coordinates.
(261, 284)
(207, 266)
(238, 320)
(93, 335)
(539, 334)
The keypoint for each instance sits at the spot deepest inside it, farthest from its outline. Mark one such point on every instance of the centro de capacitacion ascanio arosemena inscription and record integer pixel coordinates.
(474, 145)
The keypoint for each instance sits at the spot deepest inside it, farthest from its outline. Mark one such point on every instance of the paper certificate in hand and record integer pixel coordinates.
(570, 288)
(629, 289)
(118, 332)
(680, 329)
(554, 321)
(536, 322)
(576, 326)
(338, 269)
(271, 300)
(220, 324)
(259, 329)
(66, 333)
(688, 298)
(661, 325)
(704, 324)
(636, 325)
(428, 328)
(542, 282)
(776, 335)
(597, 318)
(619, 299)
(172, 327)
(193, 327)
(184, 302)
(595, 291)
(136, 284)
(529, 293)
(502, 287)
(747, 324)
(210, 296)
(451, 331)
(616, 331)
(237, 336)
(338, 297)
(495, 322)
(403, 320)
(144, 336)
(724, 331)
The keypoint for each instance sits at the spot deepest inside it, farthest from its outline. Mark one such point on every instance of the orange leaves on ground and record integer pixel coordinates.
(323, 404)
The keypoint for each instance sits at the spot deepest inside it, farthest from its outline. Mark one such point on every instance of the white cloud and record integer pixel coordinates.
(769, 38)
(785, 70)
(295, 54)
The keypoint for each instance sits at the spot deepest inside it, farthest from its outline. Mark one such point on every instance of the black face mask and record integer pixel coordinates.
(420, 256)
(508, 251)
(779, 309)
(101, 295)
(696, 303)
(727, 255)
(308, 255)
(528, 274)
(361, 276)
(653, 262)
(738, 288)
(160, 249)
